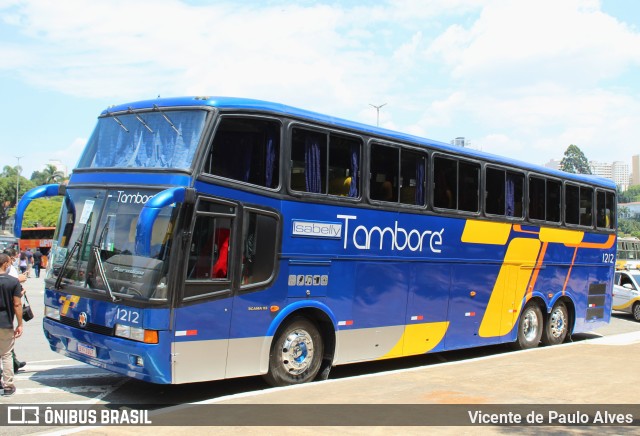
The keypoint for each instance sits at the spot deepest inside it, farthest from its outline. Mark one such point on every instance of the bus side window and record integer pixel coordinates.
(605, 205)
(383, 176)
(495, 190)
(258, 248)
(572, 204)
(554, 189)
(344, 166)
(468, 186)
(309, 161)
(247, 150)
(209, 250)
(413, 170)
(445, 188)
(586, 206)
(537, 198)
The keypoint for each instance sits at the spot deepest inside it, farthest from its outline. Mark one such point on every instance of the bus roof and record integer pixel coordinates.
(228, 103)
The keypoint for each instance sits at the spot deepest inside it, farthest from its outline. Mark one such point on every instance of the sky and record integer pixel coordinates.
(522, 79)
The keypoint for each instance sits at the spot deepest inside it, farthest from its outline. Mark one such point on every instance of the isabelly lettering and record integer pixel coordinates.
(317, 229)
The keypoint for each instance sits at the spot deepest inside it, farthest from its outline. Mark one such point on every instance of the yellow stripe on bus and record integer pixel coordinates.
(486, 232)
(510, 287)
(418, 339)
(561, 236)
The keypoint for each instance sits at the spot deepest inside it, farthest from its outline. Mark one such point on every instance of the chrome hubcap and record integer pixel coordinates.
(557, 323)
(636, 311)
(297, 352)
(530, 325)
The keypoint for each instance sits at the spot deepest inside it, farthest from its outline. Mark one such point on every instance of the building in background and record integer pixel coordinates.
(460, 141)
(616, 171)
(554, 164)
(635, 169)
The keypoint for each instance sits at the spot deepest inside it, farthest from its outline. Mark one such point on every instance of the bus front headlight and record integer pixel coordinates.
(136, 334)
(52, 312)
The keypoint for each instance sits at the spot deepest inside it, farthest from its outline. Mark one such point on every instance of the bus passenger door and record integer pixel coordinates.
(203, 316)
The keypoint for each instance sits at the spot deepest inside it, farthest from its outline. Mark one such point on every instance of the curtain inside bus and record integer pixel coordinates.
(313, 177)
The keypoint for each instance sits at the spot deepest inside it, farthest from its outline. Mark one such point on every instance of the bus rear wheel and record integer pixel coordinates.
(557, 326)
(296, 353)
(529, 327)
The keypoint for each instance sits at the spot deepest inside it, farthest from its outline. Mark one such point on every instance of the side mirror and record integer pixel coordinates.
(628, 286)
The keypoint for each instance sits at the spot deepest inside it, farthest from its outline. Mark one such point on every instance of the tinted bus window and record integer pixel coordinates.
(537, 198)
(413, 170)
(503, 192)
(456, 184)
(325, 164)
(344, 166)
(445, 183)
(605, 207)
(586, 206)
(247, 150)
(572, 204)
(553, 190)
(383, 181)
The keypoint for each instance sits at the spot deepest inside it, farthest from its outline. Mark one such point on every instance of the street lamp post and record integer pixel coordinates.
(18, 178)
(377, 112)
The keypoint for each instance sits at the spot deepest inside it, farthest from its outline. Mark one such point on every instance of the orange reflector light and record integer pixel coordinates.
(150, 336)
(550, 295)
(472, 293)
(275, 308)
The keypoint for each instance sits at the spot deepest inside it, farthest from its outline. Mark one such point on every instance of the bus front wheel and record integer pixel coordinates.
(529, 327)
(296, 353)
(557, 326)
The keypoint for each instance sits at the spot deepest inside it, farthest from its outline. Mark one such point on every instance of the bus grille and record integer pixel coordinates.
(93, 328)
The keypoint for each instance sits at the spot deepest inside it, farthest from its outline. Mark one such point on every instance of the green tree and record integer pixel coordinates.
(42, 212)
(9, 181)
(630, 195)
(574, 161)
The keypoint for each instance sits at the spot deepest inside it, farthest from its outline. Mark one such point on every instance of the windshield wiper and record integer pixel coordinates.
(96, 253)
(141, 120)
(67, 259)
(155, 106)
(120, 123)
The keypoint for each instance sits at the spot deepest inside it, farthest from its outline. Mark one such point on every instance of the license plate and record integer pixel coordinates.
(87, 350)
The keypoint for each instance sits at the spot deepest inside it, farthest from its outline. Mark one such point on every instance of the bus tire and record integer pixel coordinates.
(636, 311)
(529, 327)
(296, 353)
(557, 326)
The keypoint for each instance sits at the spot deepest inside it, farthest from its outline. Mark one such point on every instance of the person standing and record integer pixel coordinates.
(37, 262)
(10, 308)
(22, 262)
(29, 261)
(13, 272)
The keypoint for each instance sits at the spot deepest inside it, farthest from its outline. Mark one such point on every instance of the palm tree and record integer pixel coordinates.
(51, 174)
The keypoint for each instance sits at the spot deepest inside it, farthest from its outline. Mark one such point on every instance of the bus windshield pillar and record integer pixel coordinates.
(150, 212)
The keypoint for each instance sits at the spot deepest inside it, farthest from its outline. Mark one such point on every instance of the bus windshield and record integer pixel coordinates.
(159, 139)
(94, 246)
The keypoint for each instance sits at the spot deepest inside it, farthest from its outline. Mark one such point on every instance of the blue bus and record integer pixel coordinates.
(204, 238)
